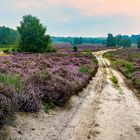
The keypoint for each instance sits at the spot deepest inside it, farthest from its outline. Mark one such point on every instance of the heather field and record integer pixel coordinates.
(67, 47)
(28, 80)
(127, 61)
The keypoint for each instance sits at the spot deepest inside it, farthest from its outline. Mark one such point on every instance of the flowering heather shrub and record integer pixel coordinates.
(63, 47)
(8, 102)
(48, 77)
(29, 101)
(127, 61)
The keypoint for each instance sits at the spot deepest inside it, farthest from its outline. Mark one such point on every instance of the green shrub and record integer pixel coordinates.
(48, 106)
(85, 69)
(75, 48)
(114, 80)
(6, 50)
(50, 50)
(137, 83)
(13, 50)
(127, 66)
(108, 55)
(13, 80)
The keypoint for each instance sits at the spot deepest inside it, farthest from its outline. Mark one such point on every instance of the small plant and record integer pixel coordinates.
(114, 80)
(85, 69)
(75, 48)
(50, 49)
(47, 106)
(6, 50)
(12, 80)
(13, 50)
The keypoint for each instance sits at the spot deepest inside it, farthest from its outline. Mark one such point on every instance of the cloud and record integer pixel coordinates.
(106, 7)
(76, 16)
(86, 7)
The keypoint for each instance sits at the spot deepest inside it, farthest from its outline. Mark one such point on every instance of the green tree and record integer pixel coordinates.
(118, 39)
(138, 42)
(110, 42)
(126, 42)
(33, 37)
(75, 48)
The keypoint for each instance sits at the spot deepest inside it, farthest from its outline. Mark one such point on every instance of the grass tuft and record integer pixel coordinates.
(12, 80)
(48, 106)
(85, 69)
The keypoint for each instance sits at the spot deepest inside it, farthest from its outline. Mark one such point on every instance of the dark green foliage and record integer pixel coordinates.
(138, 42)
(75, 48)
(125, 42)
(79, 40)
(48, 106)
(126, 67)
(110, 42)
(85, 69)
(118, 40)
(13, 50)
(33, 37)
(6, 50)
(11, 80)
(8, 36)
(127, 61)
(114, 80)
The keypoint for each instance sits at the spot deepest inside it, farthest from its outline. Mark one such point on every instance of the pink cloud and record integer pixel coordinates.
(106, 7)
(86, 7)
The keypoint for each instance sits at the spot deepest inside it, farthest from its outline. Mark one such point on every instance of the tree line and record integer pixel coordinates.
(79, 40)
(31, 36)
(119, 40)
(8, 36)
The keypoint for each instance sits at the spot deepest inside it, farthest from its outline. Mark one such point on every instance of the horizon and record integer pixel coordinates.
(76, 17)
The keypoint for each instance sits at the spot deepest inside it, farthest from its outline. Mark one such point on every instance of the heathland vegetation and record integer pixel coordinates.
(127, 61)
(46, 71)
(32, 79)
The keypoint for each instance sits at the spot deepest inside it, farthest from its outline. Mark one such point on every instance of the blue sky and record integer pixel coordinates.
(76, 17)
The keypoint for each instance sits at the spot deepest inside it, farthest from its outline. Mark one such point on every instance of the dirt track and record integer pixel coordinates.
(100, 112)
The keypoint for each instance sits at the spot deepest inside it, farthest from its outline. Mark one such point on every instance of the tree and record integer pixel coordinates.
(110, 41)
(75, 48)
(118, 39)
(33, 37)
(126, 42)
(138, 42)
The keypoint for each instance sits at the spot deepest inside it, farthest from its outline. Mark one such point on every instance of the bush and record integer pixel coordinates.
(136, 83)
(75, 48)
(127, 68)
(29, 101)
(13, 50)
(50, 50)
(114, 80)
(85, 69)
(51, 88)
(48, 106)
(8, 102)
(12, 80)
(6, 50)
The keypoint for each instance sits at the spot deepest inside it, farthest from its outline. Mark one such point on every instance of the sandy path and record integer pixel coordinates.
(99, 112)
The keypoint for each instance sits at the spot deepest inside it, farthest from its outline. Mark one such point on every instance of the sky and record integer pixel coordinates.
(87, 18)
